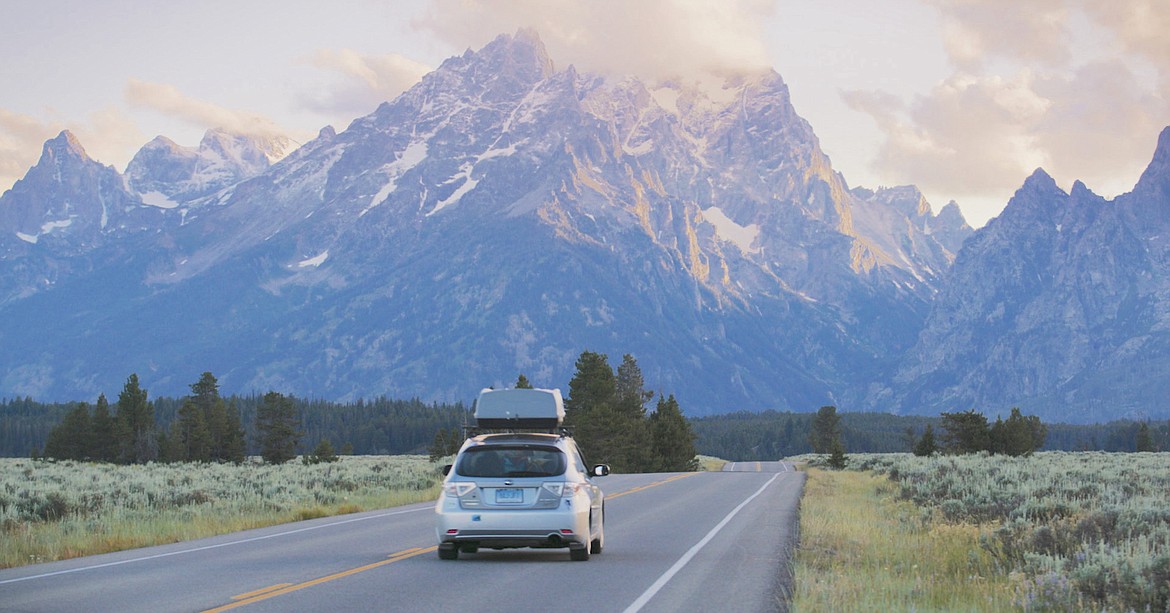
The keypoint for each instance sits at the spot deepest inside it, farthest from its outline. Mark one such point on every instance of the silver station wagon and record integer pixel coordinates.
(521, 489)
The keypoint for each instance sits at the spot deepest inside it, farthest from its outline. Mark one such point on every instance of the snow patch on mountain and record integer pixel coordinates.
(314, 261)
(466, 186)
(743, 237)
(158, 199)
(412, 156)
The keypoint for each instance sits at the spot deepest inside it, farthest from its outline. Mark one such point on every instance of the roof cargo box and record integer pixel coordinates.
(519, 408)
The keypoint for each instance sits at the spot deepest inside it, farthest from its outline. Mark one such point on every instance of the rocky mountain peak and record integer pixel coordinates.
(506, 66)
(65, 145)
(1157, 175)
(166, 173)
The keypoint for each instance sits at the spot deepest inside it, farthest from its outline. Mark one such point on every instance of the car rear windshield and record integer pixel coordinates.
(511, 461)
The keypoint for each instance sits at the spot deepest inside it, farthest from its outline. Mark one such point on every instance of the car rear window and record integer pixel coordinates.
(511, 461)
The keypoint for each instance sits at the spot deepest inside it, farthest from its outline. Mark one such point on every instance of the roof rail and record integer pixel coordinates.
(471, 431)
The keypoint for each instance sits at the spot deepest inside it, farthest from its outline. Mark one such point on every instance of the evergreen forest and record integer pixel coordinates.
(385, 426)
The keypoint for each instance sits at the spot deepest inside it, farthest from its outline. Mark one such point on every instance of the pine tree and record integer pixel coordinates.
(439, 445)
(590, 410)
(522, 383)
(193, 437)
(278, 428)
(826, 429)
(926, 445)
(1018, 435)
(1142, 440)
(323, 452)
(69, 440)
(134, 424)
(103, 442)
(233, 447)
(170, 445)
(837, 457)
(632, 426)
(224, 434)
(966, 432)
(672, 439)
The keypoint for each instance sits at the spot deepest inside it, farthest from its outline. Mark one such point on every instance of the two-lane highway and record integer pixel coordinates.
(674, 542)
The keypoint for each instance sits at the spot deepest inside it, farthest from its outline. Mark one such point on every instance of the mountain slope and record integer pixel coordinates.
(500, 217)
(1061, 306)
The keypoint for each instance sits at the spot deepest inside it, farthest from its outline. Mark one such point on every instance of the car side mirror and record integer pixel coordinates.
(601, 470)
(446, 470)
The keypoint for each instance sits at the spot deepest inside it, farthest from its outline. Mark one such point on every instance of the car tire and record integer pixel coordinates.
(579, 553)
(448, 551)
(597, 544)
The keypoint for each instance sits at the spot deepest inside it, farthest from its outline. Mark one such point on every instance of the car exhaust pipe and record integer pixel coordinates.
(555, 540)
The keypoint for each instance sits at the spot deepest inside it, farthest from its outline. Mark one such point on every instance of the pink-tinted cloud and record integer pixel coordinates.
(364, 80)
(108, 136)
(653, 39)
(1078, 87)
(167, 99)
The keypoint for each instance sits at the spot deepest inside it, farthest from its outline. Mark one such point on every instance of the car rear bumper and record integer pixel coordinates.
(513, 528)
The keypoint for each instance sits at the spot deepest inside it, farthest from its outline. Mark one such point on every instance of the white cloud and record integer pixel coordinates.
(167, 99)
(108, 136)
(1060, 84)
(977, 30)
(368, 80)
(653, 39)
(21, 138)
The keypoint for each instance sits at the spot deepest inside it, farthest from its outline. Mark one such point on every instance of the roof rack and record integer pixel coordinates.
(470, 431)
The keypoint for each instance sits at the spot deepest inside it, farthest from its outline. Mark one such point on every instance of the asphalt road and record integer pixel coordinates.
(674, 542)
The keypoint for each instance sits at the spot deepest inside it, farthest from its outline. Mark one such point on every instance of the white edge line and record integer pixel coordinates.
(206, 547)
(670, 573)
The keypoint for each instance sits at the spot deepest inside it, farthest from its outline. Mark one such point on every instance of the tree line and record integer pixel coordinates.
(205, 427)
(606, 412)
(962, 433)
(970, 432)
(770, 435)
(384, 426)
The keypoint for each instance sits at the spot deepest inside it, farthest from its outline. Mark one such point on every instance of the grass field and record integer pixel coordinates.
(1053, 532)
(56, 510)
(861, 549)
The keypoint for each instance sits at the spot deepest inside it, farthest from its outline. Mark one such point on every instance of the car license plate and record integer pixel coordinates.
(512, 495)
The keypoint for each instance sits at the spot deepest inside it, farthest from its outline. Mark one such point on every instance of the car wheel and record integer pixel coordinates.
(448, 551)
(597, 544)
(579, 553)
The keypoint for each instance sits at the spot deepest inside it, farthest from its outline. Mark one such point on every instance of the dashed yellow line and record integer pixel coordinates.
(263, 590)
(285, 588)
(650, 485)
(281, 589)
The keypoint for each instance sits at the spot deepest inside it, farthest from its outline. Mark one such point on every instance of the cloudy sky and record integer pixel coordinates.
(963, 98)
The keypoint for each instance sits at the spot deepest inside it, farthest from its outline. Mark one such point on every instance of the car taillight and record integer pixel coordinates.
(458, 488)
(562, 488)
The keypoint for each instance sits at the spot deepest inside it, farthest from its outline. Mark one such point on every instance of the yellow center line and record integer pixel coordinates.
(650, 485)
(287, 588)
(263, 590)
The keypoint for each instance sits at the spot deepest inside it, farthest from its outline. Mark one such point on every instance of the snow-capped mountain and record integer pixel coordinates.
(166, 175)
(499, 217)
(1060, 305)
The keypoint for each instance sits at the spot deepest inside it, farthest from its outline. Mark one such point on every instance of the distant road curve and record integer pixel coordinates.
(756, 467)
(715, 541)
